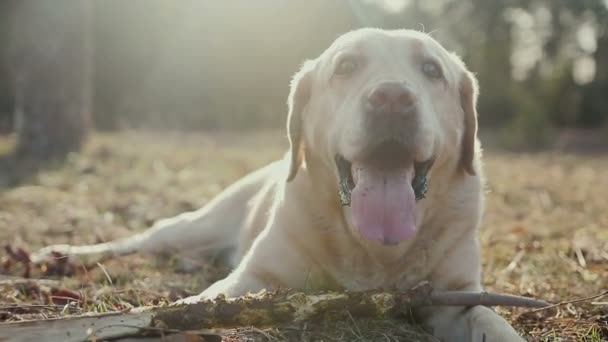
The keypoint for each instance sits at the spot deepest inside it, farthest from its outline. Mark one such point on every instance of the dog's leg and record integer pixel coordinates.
(272, 262)
(214, 227)
(460, 270)
(477, 324)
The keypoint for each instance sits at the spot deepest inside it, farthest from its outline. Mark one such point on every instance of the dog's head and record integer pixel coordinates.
(376, 110)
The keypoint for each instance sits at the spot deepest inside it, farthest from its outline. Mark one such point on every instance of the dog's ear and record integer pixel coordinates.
(299, 95)
(469, 91)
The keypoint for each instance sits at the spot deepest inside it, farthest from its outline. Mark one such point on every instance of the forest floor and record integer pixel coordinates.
(545, 232)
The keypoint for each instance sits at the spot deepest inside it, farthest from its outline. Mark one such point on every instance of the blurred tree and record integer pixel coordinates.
(49, 57)
(6, 93)
(594, 108)
(6, 103)
(195, 64)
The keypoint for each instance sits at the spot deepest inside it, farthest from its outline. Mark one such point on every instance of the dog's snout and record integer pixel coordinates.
(390, 98)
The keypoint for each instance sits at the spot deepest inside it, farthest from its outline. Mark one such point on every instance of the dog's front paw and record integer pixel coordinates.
(85, 255)
(475, 324)
(191, 300)
(236, 284)
(219, 288)
(203, 296)
(51, 254)
(487, 326)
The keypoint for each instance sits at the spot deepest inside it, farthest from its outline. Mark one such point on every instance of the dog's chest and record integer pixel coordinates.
(360, 272)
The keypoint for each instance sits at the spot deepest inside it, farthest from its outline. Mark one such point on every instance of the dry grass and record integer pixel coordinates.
(545, 231)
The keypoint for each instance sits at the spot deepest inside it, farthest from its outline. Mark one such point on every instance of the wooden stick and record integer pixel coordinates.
(12, 281)
(547, 307)
(283, 307)
(262, 309)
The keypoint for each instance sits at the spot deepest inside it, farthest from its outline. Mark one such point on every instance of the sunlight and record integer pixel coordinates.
(586, 36)
(583, 70)
(527, 42)
(392, 6)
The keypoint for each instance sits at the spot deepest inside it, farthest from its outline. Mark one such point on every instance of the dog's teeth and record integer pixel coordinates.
(420, 183)
(345, 182)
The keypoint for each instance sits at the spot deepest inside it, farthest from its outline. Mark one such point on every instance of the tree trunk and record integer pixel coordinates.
(50, 57)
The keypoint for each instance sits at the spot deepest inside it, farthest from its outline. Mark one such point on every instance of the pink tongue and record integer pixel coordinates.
(383, 204)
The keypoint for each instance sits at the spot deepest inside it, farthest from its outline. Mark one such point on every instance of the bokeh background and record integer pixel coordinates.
(208, 65)
(166, 103)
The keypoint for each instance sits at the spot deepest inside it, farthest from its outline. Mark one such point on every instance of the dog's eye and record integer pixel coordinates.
(346, 66)
(432, 70)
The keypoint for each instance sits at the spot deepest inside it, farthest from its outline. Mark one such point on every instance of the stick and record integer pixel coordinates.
(13, 307)
(262, 309)
(11, 281)
(605, 293)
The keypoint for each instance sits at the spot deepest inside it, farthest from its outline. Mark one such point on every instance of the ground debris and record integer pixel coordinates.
(264, 309)
(539, 238)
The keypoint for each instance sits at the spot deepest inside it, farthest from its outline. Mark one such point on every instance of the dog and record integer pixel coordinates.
(382, 187)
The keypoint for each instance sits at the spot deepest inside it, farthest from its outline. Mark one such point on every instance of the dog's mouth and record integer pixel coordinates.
(382, 189)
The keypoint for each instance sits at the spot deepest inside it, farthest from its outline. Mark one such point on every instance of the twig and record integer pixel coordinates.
(258, 310)
(152, 329)
(11, 281)
(106, 273)
(514, 262)
(464, 298)
(569, 302)
(32, 306)
(266, 335)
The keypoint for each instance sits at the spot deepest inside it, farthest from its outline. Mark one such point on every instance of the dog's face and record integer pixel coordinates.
(376, 110)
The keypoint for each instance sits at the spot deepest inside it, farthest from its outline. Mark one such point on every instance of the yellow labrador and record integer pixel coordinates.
(382, 187)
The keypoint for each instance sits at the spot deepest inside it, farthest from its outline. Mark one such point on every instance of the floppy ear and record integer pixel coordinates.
(299, 95)
(468, 101)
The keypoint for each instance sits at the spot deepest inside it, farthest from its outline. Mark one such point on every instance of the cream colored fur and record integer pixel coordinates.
(292, 231)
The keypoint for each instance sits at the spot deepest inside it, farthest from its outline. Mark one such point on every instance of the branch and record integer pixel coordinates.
(584, 299)
(288, 307)
(262, 309)
(12, 281)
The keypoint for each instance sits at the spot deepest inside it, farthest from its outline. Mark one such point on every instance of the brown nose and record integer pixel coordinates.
(390, 98)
